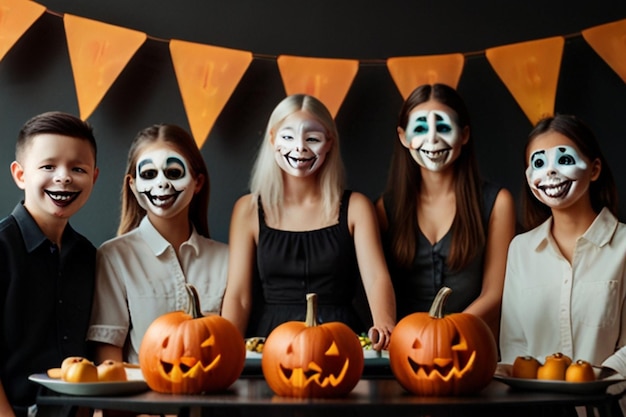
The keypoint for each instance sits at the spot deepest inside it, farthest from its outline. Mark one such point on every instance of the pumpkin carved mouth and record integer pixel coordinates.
(445, 369)
(178, 372)
(301, 377)
(188, 367)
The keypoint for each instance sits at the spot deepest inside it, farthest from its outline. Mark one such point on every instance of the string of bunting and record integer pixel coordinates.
(207, 75)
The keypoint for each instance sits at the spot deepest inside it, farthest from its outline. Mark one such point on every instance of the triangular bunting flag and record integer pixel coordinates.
(410, 72)
(16, 16)
(207, 76)
(530, 70)
(324, 78)
(609, 41)
(98, 53)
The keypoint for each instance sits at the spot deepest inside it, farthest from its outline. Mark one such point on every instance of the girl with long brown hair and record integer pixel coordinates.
(442, 224)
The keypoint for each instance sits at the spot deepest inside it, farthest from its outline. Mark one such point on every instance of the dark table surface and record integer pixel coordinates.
(251, 396)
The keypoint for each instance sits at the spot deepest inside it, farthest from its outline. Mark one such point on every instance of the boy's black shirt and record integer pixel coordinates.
(45, 301)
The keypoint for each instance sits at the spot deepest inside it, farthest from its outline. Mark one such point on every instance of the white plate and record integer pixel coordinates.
(592, 387)
(134, 384)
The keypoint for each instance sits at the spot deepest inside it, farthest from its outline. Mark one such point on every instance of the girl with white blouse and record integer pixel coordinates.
(565, 284)
(163, 243)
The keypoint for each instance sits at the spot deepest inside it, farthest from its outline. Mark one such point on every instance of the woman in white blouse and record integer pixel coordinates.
(565, 284)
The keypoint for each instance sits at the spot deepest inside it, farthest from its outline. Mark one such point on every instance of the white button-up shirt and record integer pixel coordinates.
(140, 278)
(578, 309)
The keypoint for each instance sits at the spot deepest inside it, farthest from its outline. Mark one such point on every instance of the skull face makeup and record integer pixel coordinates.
(557, 176)
(432, 136)
(300, 144)
(163, 184)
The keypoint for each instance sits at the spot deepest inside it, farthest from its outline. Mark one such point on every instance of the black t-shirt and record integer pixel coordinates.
(45, 301)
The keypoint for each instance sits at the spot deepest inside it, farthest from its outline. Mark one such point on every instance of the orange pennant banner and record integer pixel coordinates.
(16, 17)
(98, 53)
(609, 41)
(410, 72)
(530, 70)
(207, 76)
(326, 79)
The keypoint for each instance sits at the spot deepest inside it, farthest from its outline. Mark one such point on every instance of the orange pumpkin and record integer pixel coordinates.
(307, 359)
(433, 355)
(184, 353)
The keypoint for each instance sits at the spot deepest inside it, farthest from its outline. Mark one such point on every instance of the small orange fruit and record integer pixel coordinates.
(77, 369)
(525, 367)
(580, 371)
(111, 371)
(554, 367)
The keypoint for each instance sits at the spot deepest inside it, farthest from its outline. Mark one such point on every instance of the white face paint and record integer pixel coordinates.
(163, 184)
(433, 137)
(301, 144)
(556, 175)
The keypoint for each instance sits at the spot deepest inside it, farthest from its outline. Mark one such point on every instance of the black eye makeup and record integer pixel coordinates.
(538, 159)
(174, 169)
(566, 160)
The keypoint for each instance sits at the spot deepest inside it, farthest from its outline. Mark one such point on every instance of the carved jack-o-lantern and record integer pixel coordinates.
(431, 354)
(307, 359)
(183, 353)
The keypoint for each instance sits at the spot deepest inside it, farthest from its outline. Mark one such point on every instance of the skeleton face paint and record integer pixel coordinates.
(301, 144)
(433, 137)
(163, 184)
(557, 175)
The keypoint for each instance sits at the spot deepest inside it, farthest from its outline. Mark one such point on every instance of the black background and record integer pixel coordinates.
(36, 76)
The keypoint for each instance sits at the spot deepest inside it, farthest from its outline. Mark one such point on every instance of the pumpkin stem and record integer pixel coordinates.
(436, 309)
(194, 307)
(311, 310)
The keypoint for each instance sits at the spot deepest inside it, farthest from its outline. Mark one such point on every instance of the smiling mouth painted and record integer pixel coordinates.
(300, 163)
(62, 198)
(162, 201)
(436, 156)
(559, 190)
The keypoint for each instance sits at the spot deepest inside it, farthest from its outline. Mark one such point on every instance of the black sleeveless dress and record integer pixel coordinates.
(415, 287)
(291, 264)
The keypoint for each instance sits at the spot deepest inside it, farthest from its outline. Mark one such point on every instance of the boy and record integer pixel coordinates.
(46, 268)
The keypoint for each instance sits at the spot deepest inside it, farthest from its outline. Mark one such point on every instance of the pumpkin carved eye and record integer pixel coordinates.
(332, 350)
(208, 342)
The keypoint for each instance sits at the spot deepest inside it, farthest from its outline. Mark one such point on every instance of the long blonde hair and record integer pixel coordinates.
(266, 181)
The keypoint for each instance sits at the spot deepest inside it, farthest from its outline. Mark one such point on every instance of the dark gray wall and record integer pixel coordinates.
(35, 76)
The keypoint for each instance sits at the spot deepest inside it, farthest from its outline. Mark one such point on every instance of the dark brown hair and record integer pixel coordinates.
(602, 192)
(179, 138)
(57, 123)
(404, 183)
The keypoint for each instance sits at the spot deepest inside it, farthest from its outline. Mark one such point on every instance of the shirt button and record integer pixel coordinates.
(60, 301)
(65, 337)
